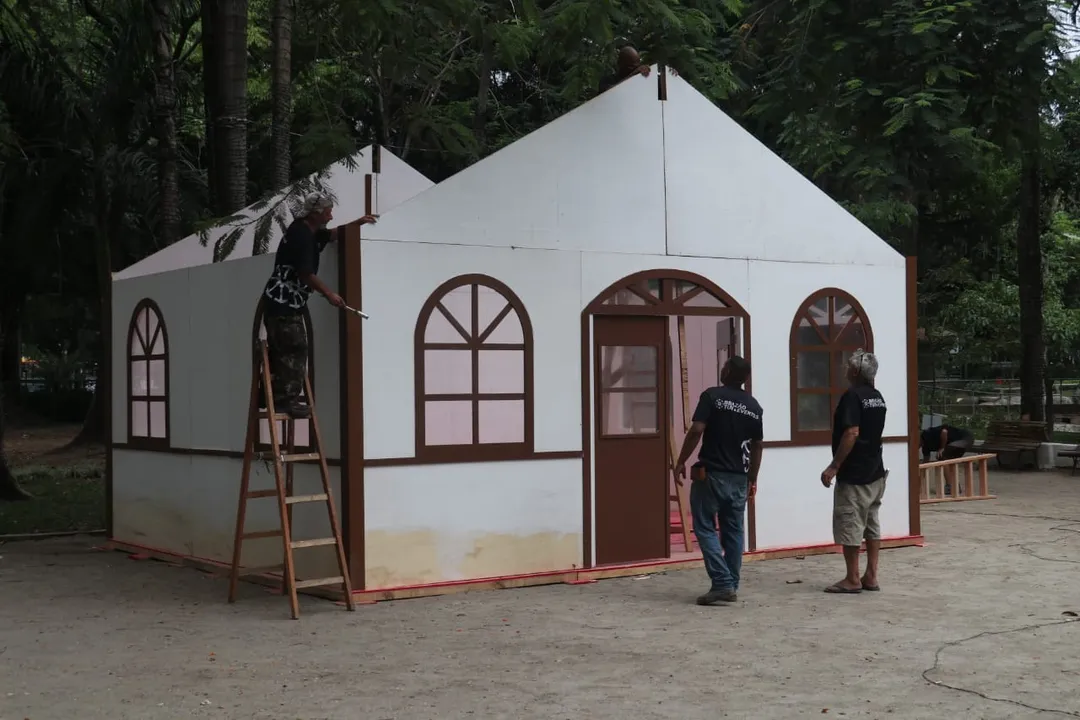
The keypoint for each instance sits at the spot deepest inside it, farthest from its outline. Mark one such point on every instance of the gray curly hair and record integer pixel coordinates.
(864, 364)
(315, 202)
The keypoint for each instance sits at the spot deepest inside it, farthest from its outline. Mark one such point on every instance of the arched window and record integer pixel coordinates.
(302, 441)
(829, 326)
(473, 373)
(148, 378)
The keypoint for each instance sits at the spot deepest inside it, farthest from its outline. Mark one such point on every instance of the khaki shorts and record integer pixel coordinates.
(855, 512)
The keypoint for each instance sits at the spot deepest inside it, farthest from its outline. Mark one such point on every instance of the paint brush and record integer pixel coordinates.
(354, 311)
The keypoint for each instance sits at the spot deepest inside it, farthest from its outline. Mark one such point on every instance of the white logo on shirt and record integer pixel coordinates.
(746, 455)
(740, 408)
(869, 403)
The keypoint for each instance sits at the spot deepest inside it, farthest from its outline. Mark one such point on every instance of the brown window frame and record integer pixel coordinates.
(473, 339)
(832, 345)
(147, 348)
(259, 444)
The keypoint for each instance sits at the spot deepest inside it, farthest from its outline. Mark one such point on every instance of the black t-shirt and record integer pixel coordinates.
(614, 79)
(732, 420)
(931, 437)
(863, 407)
(297, 255)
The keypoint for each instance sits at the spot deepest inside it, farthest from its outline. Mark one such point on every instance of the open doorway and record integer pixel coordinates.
(657, 340)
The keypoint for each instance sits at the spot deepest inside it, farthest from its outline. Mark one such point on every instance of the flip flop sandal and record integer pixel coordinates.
(840, 590)
(871, 588)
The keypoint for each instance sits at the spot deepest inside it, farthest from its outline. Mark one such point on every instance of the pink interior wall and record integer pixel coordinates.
(707, 340)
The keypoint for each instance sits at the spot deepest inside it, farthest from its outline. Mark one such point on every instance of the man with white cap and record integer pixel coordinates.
(286, 295)
(860, 473)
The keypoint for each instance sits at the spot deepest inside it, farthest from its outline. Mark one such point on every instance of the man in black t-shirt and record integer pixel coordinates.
(860, 473)
(286, 295)
(629, 63)
(725, 474)
(948, 441)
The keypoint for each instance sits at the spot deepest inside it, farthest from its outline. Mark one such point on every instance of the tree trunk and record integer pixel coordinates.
(98, 423)
(165, 123)
(212, 105)
(1029, 263)
(10, 348)
(230, 128)
(281, 89)
(9, 489)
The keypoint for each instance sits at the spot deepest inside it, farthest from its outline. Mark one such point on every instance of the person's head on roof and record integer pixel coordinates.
(318, 209)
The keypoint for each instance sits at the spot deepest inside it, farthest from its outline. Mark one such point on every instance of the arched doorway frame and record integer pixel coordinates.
(662, 302)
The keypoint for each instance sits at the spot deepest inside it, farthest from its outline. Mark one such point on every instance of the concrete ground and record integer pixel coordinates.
(975, 625)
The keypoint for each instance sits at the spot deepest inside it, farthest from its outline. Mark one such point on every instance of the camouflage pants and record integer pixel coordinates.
(287, 342)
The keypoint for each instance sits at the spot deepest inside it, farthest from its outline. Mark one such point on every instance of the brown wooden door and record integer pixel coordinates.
(629, 382)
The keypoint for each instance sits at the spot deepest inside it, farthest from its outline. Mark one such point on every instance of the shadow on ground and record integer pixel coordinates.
(983, 608)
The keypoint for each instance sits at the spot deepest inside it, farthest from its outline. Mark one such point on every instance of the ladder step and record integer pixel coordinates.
(260, 535)
(319, 581)
(265, 414)
(300, 457)
(306, 498)
(313, 543)
(261, 494)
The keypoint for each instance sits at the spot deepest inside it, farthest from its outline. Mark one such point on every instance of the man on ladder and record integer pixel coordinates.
(287, 291)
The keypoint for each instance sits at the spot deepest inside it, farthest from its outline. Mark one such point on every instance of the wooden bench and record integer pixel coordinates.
(1015, 436)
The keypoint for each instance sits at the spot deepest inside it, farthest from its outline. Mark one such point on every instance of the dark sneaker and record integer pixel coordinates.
(715, 596)
(296, 409)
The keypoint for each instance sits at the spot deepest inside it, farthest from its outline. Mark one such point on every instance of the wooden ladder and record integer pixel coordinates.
(283, 490)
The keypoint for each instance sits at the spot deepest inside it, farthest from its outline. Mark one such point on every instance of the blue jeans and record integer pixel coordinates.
(722, 495)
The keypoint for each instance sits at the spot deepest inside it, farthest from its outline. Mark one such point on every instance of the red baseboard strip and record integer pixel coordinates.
(572, 576)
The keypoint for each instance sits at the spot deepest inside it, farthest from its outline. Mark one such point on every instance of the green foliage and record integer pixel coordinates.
(65, 499)
(907, 112)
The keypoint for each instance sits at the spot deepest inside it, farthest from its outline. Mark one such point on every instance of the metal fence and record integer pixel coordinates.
(975, 403)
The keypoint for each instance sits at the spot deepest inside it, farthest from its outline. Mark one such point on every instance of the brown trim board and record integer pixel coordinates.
(368, 463)
(914, 482)
(351, 342)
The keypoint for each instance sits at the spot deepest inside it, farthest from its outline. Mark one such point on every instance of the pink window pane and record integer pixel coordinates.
(159, 344)
(629, 413)
(448, 372)
(139, 379)
(152, 321)
(808, 334)
(813, 412)
(158, 425)
(157, 378)
(448, 422)
(624, 366)
(439, 330)
(501, 371)
(140, 420)
(142, 322)
(705, 299)
(303, 433)
(625, 297)
(502, 421)
(812, 370)
(854, 334)
(459, 303)
(264, 431)
(508, 331)
(489, 304)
